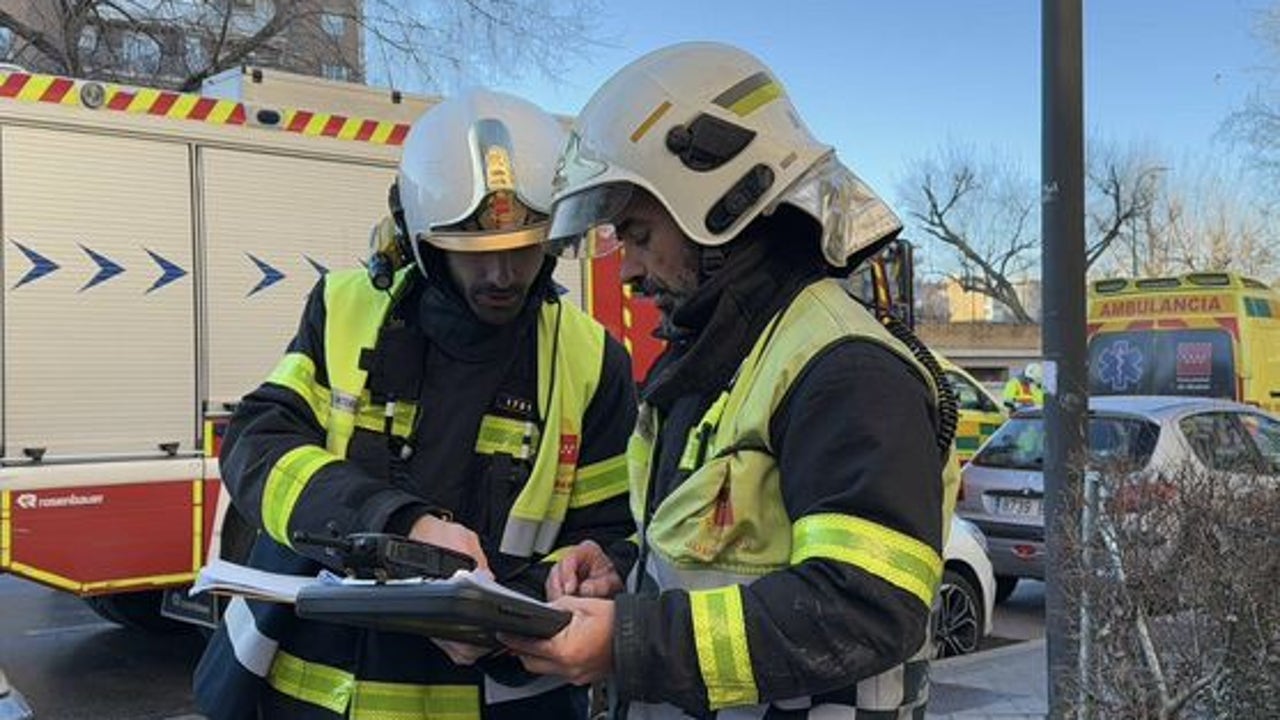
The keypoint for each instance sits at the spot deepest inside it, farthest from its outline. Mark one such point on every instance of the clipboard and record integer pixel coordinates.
(451, 611)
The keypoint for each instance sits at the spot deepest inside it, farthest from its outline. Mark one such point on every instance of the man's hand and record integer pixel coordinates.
(462, 653)
(431, 529)
(584, 571)
(582, 652)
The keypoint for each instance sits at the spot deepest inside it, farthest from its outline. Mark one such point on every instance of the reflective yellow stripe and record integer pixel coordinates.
(720, 634)
(757, 98)
(354, 312)
(297, 372)
(695, 447)
(66, 583)
(197, 525)
(396, 701)
(328, 687)
(374, 417)
(6, 530)
(645, 126)
(288, 477)
(599, 481)
(505, 435)
(335, 690)
(896, 558)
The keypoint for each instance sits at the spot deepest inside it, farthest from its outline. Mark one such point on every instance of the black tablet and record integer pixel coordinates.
(442, 610)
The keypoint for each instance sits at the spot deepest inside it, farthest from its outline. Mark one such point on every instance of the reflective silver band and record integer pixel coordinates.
(253, 650)
(522, 538)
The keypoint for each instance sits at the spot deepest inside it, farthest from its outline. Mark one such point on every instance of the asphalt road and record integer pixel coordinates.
(1021, 617)
(71, 665)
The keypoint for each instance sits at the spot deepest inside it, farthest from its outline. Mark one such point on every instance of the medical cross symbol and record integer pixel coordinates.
(1120, 366)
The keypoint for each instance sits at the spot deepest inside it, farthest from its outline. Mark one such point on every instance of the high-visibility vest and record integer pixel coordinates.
(251, 648)
(711, 536)
(355, 312)
(1023, 393)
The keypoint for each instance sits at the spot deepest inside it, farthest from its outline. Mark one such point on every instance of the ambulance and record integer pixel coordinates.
(156, 251)
(1210, 334)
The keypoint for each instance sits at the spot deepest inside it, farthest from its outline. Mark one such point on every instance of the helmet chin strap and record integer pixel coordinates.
(711, 260)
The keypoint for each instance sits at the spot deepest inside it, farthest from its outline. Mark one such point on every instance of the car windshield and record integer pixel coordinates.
(1019, 443)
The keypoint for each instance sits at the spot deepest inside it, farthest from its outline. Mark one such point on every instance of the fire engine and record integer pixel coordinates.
(157, 250)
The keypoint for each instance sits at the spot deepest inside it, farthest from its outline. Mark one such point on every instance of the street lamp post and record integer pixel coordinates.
(1063, 331)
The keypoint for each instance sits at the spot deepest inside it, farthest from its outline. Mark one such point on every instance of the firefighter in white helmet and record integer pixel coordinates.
(1026, 389)
(445, 394)
(787, 467)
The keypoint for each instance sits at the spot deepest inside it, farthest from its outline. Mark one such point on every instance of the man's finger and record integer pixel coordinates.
(570, 567)
(569, 583)
(593, 588)
(554, 584)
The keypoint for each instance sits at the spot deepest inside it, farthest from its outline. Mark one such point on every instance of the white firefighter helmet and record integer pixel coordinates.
(1034, 372)
(475, 173)
(710, 132)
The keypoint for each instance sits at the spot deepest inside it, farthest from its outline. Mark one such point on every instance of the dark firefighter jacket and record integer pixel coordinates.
(808, 555)
(526, 452)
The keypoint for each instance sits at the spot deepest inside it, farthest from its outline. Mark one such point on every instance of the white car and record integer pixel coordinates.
(962, 617)
(1002, 488)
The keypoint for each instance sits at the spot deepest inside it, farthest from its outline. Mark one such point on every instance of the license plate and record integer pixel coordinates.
(1024, 506)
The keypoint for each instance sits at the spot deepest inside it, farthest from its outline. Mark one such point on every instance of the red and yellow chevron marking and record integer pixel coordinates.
(187, 106)
(344, 128)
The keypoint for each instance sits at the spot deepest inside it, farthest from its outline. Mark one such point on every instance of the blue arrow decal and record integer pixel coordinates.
(40, 265)
(319, 268)
(270, 275)
(169, 272)
(107, 269)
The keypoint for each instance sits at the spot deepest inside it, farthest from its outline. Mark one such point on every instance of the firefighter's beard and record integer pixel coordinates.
(669, 300)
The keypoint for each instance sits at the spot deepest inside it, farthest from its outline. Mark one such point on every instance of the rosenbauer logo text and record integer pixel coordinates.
(32, 501)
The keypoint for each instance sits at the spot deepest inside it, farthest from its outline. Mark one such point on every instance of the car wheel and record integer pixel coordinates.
(958, 623)
(1005, 585)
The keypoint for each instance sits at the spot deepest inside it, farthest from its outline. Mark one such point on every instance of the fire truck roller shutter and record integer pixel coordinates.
(99, 298)
(569, 276)
(272, 224)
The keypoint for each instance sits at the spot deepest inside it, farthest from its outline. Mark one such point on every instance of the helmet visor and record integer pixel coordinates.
(462, 241)
(501, 222)
(582, 223)
(855, 221)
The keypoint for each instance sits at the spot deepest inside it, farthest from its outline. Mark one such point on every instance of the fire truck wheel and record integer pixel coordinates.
(136, 611)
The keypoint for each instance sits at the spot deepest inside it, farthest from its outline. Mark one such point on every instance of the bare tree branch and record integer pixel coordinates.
(1140, 220)
(984, 225)
(414, 44)
(37, 39)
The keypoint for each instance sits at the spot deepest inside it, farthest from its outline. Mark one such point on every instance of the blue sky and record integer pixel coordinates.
(889, 81)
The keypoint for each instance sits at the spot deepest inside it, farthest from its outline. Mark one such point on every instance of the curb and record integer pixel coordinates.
(12, 705)
(962, 661)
